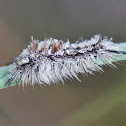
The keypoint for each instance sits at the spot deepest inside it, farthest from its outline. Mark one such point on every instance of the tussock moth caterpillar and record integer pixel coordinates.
(52, 60)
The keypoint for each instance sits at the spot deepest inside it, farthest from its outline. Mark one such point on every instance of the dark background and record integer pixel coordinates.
(61, 19)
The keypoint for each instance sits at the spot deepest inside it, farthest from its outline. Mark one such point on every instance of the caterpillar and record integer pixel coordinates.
(52, 60)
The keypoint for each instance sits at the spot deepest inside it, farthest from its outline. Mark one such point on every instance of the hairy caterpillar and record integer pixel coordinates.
(52, 60)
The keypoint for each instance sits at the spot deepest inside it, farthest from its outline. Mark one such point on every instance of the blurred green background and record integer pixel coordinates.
(98, 100)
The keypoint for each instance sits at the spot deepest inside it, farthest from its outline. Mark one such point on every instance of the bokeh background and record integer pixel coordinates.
(98, 100)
